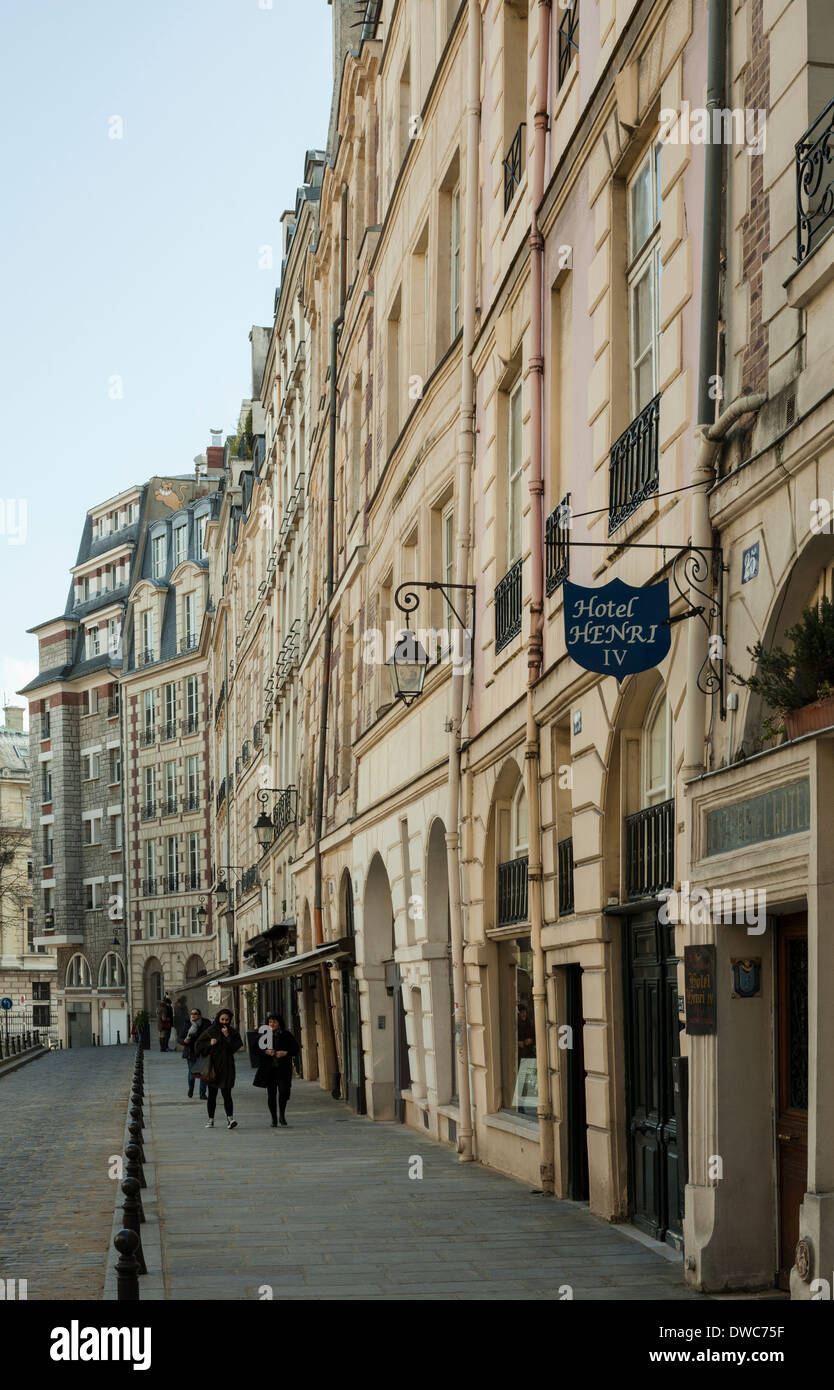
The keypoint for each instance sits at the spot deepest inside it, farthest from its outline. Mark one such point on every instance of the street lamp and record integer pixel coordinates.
(222, 891)
(202, 912)
(409, 663)
(267, 826)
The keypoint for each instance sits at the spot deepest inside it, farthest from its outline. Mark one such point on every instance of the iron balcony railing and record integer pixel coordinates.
(149, 810)
(258, 734)
(148, 887)
(148, 736)
(557, 545)
(633, 471)
(568, 39)
(220, 699)
(250, 878)
(565, 857)
(188, 643)
(815, 184)
(246, 751)
(508, 607)
(171, 883)
(169, 730)
(650, 850)
(169, 806)
(146, 657)
(191, 883)
(191, 724)
(513, 165)
(512, 892)
(191, 802)
(221, 793)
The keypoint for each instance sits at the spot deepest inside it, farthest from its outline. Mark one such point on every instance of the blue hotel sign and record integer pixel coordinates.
(617, 629)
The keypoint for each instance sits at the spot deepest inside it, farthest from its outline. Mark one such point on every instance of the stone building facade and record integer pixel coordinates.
(27, 973)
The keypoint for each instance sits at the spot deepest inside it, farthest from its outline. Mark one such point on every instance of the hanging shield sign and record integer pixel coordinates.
(617, 629)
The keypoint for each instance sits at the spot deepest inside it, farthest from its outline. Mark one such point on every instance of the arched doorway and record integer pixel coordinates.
(152, 984)
(388, 1072)
(439, 930)
(353, 1058)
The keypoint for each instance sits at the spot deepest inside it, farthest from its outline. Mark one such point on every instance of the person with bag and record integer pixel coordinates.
(164, 1022)
(197, 1024)
(275, 1068)
(218, 1045)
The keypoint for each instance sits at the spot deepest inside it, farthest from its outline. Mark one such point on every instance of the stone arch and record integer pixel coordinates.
(195, 966)
(153, 983)
(347, 924)
(438, 930)
(78, 974)
(497, 848)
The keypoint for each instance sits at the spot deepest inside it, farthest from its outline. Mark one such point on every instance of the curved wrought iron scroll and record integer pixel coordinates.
(691, 570)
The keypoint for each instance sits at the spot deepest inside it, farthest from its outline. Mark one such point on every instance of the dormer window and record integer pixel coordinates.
(202, 523)
(180, 544)
(159, 556)
(93, 642)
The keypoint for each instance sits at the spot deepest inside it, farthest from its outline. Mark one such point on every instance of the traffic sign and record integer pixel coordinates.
(6, 1003)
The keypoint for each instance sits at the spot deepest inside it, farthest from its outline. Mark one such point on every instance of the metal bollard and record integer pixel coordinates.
(127, 1266)
(134, 1167)
(136, 1114)
(136, 1138)
(131, 1209)
(118, 1037)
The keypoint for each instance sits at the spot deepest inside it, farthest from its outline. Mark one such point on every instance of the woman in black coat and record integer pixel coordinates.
(221, 1041)
(275, 1069)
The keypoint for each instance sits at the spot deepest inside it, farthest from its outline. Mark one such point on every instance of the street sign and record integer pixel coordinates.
(617, 629)
(6, 1003)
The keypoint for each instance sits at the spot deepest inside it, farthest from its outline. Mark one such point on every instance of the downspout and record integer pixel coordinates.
(532, 752)
(710, 431)
(335, 328)
(230, 886)
(463, 542)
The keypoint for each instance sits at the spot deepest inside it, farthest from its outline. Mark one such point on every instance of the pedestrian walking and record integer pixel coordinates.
(164, 1022)
(219, 1043)
(275, 1069)
(195, 1025)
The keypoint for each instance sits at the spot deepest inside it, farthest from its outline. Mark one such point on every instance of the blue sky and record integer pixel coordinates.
(135, 257)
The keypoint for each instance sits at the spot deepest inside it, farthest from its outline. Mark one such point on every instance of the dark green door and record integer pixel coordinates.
(653, 1039)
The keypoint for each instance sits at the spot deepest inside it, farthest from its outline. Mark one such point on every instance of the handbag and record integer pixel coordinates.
(206, 1072)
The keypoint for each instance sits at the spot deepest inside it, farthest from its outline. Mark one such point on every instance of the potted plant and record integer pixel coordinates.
(799, 684)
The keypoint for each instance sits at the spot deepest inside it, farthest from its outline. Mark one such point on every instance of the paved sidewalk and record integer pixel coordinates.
(61, 1117)
(325, 1209)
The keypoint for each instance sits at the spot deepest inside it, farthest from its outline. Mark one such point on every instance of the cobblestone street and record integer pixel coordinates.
(60, 1119)
(325, 1209)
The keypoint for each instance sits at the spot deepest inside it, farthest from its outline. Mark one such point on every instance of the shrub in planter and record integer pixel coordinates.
(799, 684)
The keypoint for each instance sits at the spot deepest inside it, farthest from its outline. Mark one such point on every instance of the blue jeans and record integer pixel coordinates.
(189, 1064)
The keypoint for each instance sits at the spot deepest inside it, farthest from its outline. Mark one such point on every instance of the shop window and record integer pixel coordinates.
(519, 1089)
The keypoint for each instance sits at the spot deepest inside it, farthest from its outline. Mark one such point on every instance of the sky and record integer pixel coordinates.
(148, 152)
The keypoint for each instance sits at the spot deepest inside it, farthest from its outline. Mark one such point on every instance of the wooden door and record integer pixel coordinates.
(578, 1189)
(653, 1039)
(352, 1043)
(792, 1083)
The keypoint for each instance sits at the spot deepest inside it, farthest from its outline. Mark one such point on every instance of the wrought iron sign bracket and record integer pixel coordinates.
(410, 600)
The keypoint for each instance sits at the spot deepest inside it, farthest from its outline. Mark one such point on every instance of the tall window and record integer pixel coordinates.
(191, 700)
(170, 785)
(194, 858)
(174, 921)
(196, 925)
(201, 533)
(192, 780)
(172, 857)
(455, 261)
(180, 544)
(518, 1039)
(170, 709)
(393, 372)
(150, 711)
(78, 973)
(158, 548)
(117, 830)
(93, 642)
(644, 279)
(150, 860)
(657, 753)
(111, 973)
(514, 464)
(48, 844)
(147, 634)
(46, 782)
(150, 788)
(190, 620)
(150, 923)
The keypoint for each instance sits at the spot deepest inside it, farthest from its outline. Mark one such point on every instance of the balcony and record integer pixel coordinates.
(815, 184)
(508, 607)
(246, 752)
(258, 735)
(568, 39)
(191, 802)
(220, 701)
(191, 725)
(148, 887)
(512, 892)
(169, 806)
(513, 165)
(148, 736)
(188, 643)
(284, 812)
(145, 657)
(633, 472)
(149, 810)
(171, 883)
(169, 730)
(557, 545)
(191, 883)
(565, 858)
(650, 850)
(221, 793)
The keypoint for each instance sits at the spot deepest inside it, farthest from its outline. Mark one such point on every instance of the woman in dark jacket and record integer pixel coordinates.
(275, 1069)
(221, 1041)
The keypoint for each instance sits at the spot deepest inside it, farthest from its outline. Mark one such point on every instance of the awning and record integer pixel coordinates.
(294, 965)
(199, 981)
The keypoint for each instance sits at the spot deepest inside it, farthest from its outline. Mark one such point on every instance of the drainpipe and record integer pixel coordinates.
(328, 1029)
(233, 890)
(463, 544)
(710, 432)
(535, 641)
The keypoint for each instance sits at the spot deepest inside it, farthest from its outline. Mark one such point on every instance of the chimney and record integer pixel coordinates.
(14, 718)
(214, 452)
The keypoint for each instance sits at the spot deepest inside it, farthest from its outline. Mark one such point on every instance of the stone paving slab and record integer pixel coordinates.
(325, 1209)
(60, 1119)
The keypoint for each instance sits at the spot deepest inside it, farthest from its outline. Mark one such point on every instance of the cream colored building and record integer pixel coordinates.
(27, 973)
